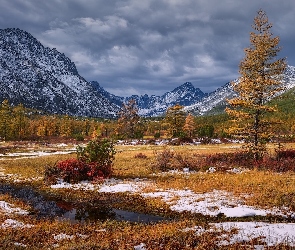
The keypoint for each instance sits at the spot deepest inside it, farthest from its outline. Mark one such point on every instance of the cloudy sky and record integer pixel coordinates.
(151, 46)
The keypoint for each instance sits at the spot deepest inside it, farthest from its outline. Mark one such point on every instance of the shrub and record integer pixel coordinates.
(163, 160)
(289, 153)
(237, 159)
(72, 170)
(140, 156)
(285, 161)
(79, 137)
(157, 135)
(99, 154)
(51, 174)
(185, 161)
(94, 162)
(100, 151)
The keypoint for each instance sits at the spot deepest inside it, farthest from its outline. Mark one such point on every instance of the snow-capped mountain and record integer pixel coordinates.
(218, 97)
(185, 95)
(45, 79)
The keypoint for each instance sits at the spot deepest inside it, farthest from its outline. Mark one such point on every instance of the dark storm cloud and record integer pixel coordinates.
(151, 46)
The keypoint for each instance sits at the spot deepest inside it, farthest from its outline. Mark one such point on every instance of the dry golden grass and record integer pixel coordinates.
(30, 169)
(265, 189)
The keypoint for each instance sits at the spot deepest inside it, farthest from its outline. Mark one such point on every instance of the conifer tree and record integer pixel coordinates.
(5, 120)
(175, 118)
(189, 126)
(19, 121)
(128, 120)
(260, 81)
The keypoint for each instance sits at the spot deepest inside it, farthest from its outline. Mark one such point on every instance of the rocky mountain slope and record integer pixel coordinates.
(216, 100)
(185, 95)
(45, 79)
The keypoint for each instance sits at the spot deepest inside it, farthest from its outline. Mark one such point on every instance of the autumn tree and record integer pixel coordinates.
(5, 120)
(175, 118)
(260, 81)
(128, 121)
(189, 125)
(20, 122)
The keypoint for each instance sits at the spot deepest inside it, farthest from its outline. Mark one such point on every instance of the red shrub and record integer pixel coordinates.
(98, 172)
(289, 153)
(73, 170)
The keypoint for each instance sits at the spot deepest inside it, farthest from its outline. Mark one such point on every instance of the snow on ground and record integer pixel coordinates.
(63, 236)
(141, 246)
(7, 208)
(50, 149)
(9, 223)
(269, 234)
(34, 154)
(210, 203)
(109, 186)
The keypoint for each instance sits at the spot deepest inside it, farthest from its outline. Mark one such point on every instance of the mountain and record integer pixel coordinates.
(215, 102)
(185, 95)
(45, 79)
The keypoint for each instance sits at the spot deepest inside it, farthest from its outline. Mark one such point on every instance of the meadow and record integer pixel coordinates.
(211, 207)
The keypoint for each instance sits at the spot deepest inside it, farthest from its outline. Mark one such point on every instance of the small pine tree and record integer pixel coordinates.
(259, 82)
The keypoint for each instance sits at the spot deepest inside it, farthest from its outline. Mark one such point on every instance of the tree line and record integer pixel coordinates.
(20, 123)
(249, 116)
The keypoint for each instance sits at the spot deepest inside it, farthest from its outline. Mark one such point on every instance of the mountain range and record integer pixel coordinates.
(45, 79)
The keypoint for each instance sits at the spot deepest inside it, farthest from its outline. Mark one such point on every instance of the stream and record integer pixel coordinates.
(50, 208)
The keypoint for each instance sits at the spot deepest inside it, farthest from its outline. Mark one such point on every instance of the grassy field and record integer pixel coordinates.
(150, 191)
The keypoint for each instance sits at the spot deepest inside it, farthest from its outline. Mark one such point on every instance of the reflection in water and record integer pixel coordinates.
(123, 215)
(84, 213)
(45, 207)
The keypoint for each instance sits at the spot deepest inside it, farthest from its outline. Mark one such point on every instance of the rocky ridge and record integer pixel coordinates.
(45, 79)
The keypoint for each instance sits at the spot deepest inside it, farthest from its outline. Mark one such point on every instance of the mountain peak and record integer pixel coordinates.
(187, 85)
(45, 79)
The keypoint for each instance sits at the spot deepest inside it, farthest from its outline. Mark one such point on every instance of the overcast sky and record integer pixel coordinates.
(151, 46)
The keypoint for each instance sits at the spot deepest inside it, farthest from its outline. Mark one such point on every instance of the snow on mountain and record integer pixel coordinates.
(218, 97)
(45, 79)
(185, 95)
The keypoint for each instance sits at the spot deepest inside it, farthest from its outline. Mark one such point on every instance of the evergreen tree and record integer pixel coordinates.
(260, 72)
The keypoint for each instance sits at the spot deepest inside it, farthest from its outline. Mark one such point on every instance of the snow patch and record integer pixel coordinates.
(7, 208)
(9, 223)
(268, 233)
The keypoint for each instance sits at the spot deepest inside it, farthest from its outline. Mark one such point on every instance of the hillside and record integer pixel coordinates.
(45, 79)
(215, 102)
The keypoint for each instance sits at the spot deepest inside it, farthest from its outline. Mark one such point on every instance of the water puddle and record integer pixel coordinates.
(75, 212)
(123, 215)
(82, 213)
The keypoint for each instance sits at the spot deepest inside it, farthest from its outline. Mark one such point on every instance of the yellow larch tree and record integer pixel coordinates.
(260, 81)
(189, 125)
